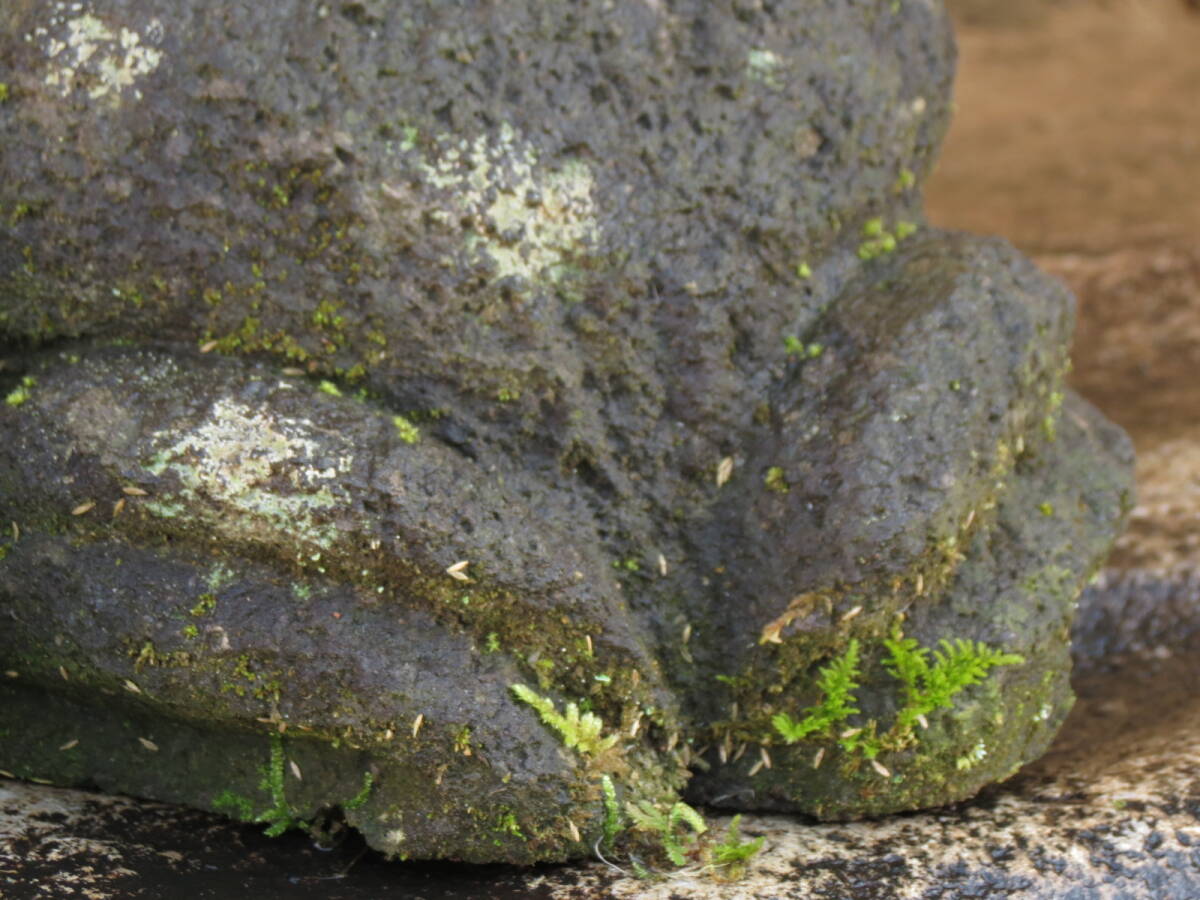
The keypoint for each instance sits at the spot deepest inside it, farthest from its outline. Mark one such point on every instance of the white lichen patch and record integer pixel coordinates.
(250, 475)
(85, 52)
(763, 66)
(527, 219)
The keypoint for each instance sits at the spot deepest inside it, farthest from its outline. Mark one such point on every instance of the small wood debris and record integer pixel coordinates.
(208, 346)
(70, 745)
(880, 768)
(754, 769)
(724, 470)
(662, 564)
(458, 570)
(924, 721)
(417, 723)
(62, 670)
(84, 508)
(148, 744)
(852, 613)
(131, 687)
(820, 755)
(118, 507)
(16, 531)
(574, 832)
(849, 733)
(295, 769)
(132, 491)
(765, 757)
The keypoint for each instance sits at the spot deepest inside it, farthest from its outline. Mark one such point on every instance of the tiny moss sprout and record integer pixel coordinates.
(879, 241)
(793, 346)
(775, 480)
(803, 270)
(328, 387)
(408, 432)
(21, 393)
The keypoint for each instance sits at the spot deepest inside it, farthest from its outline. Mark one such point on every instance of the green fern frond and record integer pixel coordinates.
(733, 851)
(647, 816)
(956, 665)
(837, 681)
(583, 731)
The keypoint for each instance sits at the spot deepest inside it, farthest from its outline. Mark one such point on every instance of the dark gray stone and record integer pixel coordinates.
(365, 360)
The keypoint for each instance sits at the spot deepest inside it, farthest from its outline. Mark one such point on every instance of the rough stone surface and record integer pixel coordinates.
(364, 360)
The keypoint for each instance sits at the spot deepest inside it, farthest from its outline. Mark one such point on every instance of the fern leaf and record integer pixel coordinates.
(582, 731)
(836, 681)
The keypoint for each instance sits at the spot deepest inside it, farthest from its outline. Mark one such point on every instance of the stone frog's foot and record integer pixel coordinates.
(269, 597)
(225, 572)
(889, 630)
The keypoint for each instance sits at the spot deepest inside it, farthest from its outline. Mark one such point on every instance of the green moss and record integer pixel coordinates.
(803, 271)
(879, 241)
(364, 792)
(775, 480)
(21, 394)
(3, 92)
(204, 605)
(408, 432)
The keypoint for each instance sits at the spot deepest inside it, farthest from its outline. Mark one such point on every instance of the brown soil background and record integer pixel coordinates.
(1077, 137)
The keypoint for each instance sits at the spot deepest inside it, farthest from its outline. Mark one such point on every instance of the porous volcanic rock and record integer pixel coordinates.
(365, 360)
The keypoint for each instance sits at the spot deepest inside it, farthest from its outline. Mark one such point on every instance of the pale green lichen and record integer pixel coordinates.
(106, 58)
(526, 219)
(228, 467)
(763, 66)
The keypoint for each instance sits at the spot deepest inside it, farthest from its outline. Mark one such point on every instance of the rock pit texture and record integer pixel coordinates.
(365, 360)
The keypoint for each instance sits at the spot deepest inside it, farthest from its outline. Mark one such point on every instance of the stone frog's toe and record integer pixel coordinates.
(928, 513)
(355, 644)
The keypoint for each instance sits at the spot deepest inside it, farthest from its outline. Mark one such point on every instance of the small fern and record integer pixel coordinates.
(280, 817)
(582, 731)
(733, 852)
(836, 681)
(648, 817)
(956, 665)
